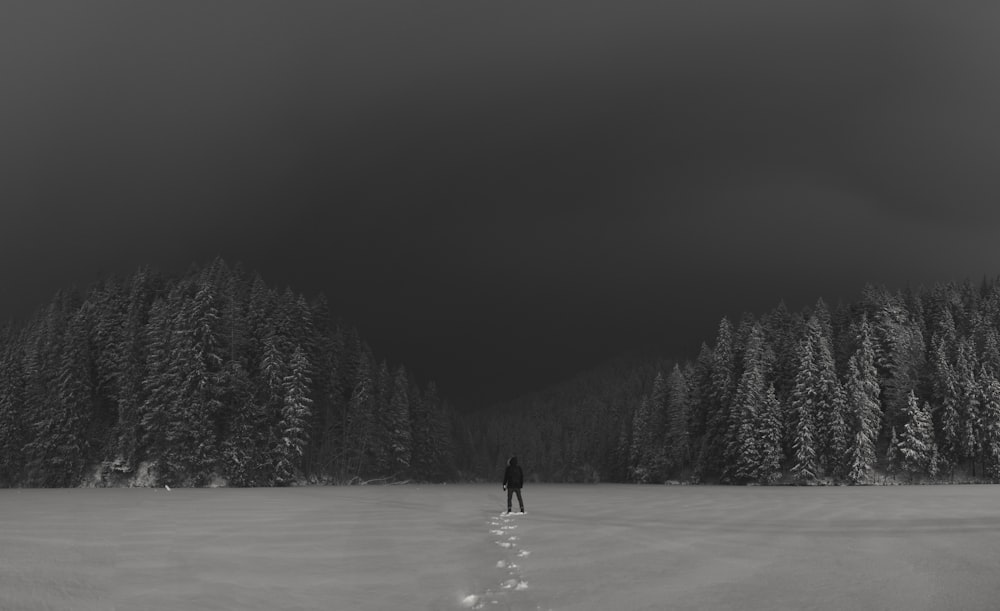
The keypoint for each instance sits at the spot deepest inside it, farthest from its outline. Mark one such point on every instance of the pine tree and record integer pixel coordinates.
(75, 392)
(946, 396)
(203, 401)
(916, 446)
(821, 312)
(381, 446)
(721, 389)
(131, 369)
(743, 452)
(700, 389)
(805, 402)
(642, 442)
(400, 433)
(245, 454)
(969, 405)
(360, 423)
(832, 412)
(769, 436)
(322, 428)
(862, 395)
(160, 387)
(442, 433)
(295, 414)
(57, 450)
(899, 352)
(648, 454)
(678, 415)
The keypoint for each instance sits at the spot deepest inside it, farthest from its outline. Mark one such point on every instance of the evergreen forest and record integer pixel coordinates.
(212, 376)
(216, 378)
(899, 386)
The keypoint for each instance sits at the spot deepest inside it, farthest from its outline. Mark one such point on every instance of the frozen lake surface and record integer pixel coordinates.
(594, 547)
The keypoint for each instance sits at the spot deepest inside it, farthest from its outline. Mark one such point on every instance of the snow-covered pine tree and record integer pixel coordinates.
(821, 312)
(271, 399)
(640, 434)
(657, 457)
(62, 436)
(916, 445)
(717, 424)
(163, 388)
(42, 413)
(831, 417)
(325, 402)
(989, 355)
(942, 322)
(700, 393)
(899, 354)
(295, 415)
(437, 461)
(244, 449)
(109, 347)
(131, 368)
(259, 324)
(186, 455)
(400, 434)
(781, 329)
(949, 424)
(678, 415)
(769, 438)
(647, 452)
(381, 446)
(969, 405)
(862, 398)
(204, 399)
(743, 451)
(358, 434)
(329, 453)
(805, 402)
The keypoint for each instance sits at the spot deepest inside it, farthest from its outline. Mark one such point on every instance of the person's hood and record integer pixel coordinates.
(512, 462)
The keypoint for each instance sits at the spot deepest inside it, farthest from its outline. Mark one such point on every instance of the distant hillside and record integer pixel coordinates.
(903, 385)
(570, 431)
(209, 377)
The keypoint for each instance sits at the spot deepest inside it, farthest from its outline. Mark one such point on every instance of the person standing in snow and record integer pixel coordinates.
(513, 481)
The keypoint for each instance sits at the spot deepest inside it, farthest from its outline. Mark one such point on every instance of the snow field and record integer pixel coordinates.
(513, 580)
(594, 547)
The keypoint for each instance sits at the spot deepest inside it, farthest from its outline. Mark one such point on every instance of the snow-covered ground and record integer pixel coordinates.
(447, 547)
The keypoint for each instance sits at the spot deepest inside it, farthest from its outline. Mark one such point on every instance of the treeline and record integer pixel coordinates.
(566, 433)
(206, 376)
(901, 383)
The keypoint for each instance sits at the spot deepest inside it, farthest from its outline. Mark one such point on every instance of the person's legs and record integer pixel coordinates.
(510, 493)
(520, 501)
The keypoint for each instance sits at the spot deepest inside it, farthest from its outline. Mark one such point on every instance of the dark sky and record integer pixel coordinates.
(499, 196)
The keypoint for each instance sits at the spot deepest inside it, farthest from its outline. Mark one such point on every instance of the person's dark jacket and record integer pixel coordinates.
(513, 476)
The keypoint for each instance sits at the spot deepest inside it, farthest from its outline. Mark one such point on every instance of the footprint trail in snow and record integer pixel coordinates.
(511, 578)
